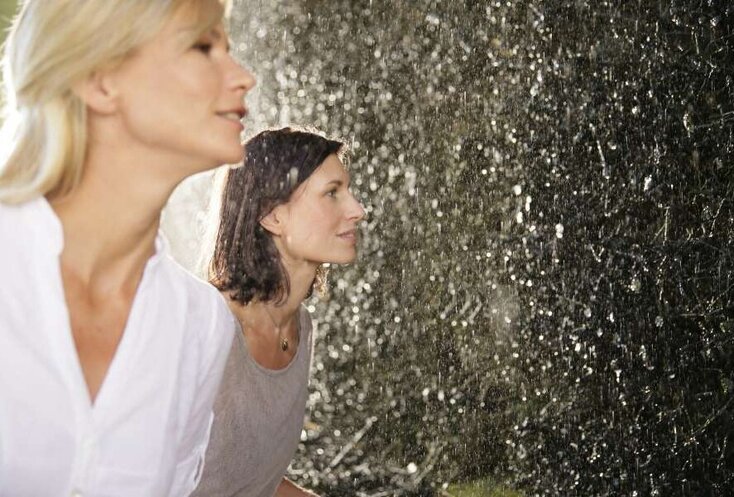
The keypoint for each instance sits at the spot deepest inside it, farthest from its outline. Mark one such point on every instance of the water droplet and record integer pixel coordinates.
(647, 184)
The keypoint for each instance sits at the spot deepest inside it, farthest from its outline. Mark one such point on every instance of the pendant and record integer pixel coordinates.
(283, 344)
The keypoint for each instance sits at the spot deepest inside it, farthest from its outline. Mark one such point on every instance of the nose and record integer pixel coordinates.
(239, 77)
(356, 211)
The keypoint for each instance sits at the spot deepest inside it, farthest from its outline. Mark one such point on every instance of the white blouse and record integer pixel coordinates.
(147, 431)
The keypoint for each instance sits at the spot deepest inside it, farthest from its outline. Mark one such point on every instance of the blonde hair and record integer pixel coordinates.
(52, 46)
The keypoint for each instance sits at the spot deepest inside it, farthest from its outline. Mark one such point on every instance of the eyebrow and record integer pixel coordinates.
(336, 182)
(218, 35)
(215, 33)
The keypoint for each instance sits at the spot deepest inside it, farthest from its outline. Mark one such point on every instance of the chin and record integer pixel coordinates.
(344, 259)
(228, 152)
(235, 157)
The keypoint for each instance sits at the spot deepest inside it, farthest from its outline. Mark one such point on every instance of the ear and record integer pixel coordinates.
(98, 92)
(274, 221)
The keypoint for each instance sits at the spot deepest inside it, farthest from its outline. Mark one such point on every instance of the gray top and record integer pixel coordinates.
(258, 418)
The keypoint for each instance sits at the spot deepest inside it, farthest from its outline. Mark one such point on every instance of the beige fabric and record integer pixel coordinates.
(258, 418)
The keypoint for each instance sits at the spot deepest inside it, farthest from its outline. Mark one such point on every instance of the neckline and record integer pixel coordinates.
(268, 371)
(53, 229)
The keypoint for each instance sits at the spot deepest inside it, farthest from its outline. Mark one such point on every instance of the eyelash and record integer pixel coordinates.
(204, 47)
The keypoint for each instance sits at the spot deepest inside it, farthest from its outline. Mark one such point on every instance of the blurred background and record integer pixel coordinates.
(7, 9)
(543, 302)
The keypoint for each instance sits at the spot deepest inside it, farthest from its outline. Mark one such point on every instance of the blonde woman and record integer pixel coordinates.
(110, 354)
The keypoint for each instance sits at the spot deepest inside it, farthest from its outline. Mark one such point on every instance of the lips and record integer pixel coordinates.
(234, 115)
(350, 236)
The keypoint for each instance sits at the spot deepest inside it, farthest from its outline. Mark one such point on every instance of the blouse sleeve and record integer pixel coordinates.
(214, 349)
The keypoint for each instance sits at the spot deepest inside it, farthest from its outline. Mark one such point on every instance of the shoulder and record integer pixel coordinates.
(7, 209)
(306, 324)
(206, 312)
(11, 222)
(305, 320)
(200, 296)
(28, 225)
(26, 216)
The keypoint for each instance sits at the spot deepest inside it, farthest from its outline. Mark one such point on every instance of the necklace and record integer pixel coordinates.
(282, 341)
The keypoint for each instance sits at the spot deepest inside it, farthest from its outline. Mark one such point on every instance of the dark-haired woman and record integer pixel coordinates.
(284, 214)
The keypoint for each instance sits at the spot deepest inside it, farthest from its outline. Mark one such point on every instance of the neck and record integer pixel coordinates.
(111, 219)
(261, 315)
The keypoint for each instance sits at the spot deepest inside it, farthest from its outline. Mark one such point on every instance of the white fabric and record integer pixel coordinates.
(148, 429)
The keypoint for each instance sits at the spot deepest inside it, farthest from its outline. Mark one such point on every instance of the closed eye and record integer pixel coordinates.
(203, 46)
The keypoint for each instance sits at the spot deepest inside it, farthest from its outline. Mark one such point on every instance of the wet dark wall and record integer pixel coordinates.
(639, 174)
(544, 296)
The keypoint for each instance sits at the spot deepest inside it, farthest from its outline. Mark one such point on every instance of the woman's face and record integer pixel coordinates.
(318, 223)
(184, 100)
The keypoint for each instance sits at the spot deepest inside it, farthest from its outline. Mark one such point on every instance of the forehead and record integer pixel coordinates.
(332, 169)
(200, 10)
(192, 18)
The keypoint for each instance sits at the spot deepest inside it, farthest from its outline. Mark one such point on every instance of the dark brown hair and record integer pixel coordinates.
(246, 261)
